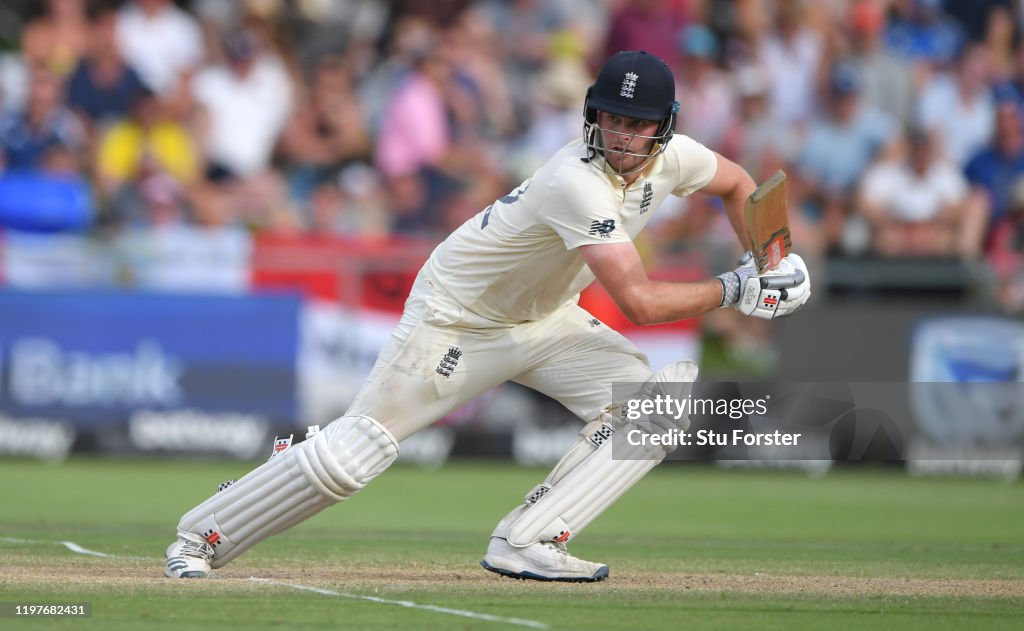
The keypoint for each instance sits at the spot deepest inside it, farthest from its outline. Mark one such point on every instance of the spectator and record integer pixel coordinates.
(523, 28)
(471, 47)
(523, 31)
(246, 103)
(762, 146)
(453, 92)
(160, 41)
(333, 212)
(150, 141)
(974, 16)
(321, 29)
(103, 87)
(888, 80)
(841, 144)
(1006, 253)
(994, 173)
(327, 129)
(410, 40)
(153, 199)
(914, 204)
(57, 38)
(365, 200)
(556, 99)
(44, 125)
(438, 12)
(415, 131)
(923, 34)
(650, 25)
(245, 106)
(958, 107)
(431, 127)
(1012, 85)
(13, 81)
(705, 96)
(791, 55)
(754, 140)
(999, 41)
(408, 204)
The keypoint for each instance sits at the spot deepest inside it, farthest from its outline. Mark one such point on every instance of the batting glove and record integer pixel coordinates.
(775, 293)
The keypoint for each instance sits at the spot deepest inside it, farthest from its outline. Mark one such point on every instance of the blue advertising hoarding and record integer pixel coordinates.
(95, 359)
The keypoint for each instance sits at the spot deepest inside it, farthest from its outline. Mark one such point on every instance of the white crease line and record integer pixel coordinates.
(77, 549)
(74, 547)
(533, 624)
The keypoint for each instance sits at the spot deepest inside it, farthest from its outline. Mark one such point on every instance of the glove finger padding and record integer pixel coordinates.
(778, 292)
(793, 299)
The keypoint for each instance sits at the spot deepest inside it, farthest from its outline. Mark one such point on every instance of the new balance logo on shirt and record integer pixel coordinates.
(604, 228)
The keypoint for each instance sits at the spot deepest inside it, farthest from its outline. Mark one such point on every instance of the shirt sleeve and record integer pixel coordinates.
(581, 208)
(695, 164)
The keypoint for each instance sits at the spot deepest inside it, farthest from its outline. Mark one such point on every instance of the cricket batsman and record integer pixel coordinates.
(497, 301)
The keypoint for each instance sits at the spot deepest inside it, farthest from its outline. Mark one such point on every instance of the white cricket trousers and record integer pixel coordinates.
(441, 356)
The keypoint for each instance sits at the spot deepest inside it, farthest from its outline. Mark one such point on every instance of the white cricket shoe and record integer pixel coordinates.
(188, 557)
(544, 561)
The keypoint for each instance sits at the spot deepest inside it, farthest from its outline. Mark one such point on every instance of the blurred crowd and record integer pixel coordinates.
(899, 122)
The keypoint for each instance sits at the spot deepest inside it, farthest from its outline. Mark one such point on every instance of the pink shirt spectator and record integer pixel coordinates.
(414, 131)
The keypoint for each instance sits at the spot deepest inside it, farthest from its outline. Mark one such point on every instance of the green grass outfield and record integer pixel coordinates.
(691, 547)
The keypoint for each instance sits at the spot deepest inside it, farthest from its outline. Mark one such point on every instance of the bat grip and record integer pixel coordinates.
(783, 282)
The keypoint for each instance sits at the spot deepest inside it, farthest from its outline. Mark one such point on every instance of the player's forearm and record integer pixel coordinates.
(734, 202)
(733, 185)
(656, 302)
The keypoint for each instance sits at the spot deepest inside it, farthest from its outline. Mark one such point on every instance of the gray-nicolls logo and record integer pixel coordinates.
(602, 434)
(645, 201)
(593, 322)
(628, 85)
(449, 361)
(604, 227)
(212, 537)
(538, 492)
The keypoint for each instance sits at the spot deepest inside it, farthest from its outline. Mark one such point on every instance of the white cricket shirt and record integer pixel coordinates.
(517, 260)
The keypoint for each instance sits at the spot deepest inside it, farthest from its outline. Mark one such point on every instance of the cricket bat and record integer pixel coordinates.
(767, 221)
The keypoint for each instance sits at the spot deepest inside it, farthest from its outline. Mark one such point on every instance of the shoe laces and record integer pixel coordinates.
(557, 547)
(197, 549)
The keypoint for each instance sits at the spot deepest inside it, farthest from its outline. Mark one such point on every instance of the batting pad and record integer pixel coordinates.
(292, 487)
(568, 506)
(589, 478)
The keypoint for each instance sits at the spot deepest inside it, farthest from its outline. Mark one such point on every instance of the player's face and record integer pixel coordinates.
(623, 136)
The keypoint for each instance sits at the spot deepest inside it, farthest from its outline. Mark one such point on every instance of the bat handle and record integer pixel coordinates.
(783, 282)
